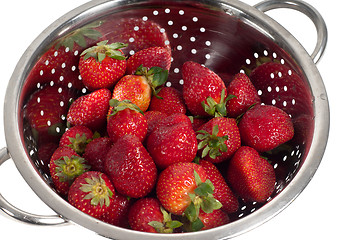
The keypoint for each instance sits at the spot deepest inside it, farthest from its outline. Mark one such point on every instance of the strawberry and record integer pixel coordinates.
(183, 189)
(147, 215)
(197, 122)
(214, 219)
(172, 141)
(102, 66)
(90, 110)
(92, 193)
(169, 100)
(45, 112)
(95, 152)
(202, 87)
(59, 63)
(117, 212)
(222, 192)
(251, 176)
(77, 138)
(66, 165)
(245, 95)
(126, 118)
(148, 58)
(130, 167)
(139, 87)
(277, 81)
(218, 139)
(265, 127)
(137, 33)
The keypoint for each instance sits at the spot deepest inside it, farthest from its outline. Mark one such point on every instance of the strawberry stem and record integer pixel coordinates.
(155, 76)
(215, 109)
(122, 105)
(67, 169)
(212, 144)
(103, 50)
(98, 191)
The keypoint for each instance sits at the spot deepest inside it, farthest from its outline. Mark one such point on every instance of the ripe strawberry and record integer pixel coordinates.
(130, 167)
(102, 66)
(246, 95)
(59, 63)
(45, 112)
(278, 81)
(214, 219)
(197, 122)
(169, 100)
(251, 176)
(183, 189)
(219, 139)
(265, 127)
(200, 86)
(66, 165)
(117, 212)
(137, 33)
(139, 87)
(126, 118)
(172, 141)
(222, 192)
(95, 152)
(77, 138)
(90, 110)
(92, 193)
(147, 215)
(148, 58)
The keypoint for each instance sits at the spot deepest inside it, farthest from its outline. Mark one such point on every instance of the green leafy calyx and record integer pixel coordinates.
(122, 105)
(67, 169)
(212, 144)
(156, 77)
(201, 199)
(168, 225)
(215, 109)
(79, 143)
(97, 191)
(103, 50)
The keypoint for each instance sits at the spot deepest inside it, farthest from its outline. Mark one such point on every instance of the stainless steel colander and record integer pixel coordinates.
(227, 37)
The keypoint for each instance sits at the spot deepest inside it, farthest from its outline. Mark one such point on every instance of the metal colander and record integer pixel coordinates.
(226, 36)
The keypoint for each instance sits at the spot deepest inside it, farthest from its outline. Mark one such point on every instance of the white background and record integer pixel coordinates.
(328, 207)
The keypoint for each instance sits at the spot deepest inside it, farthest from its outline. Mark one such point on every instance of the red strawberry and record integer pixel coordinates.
(117, 213)
(130, 167)
(169, 100)
(148, 58)
(59, 64)
(126, 118)
(219, 139)
(246, 95)
(95, 152)
(200, 86)
(222, 192)
(282, 87)
(92, 193)
(77, 138)
(172, 141)
(183, 189)
(137, 33)
(214, 219)
(102, 66)
(90, 110)
(153, 118)
(197, 122)
(251, 176)
(265, 127)
(45, 112)
(139, 87)
(66, 165)
(147, 215)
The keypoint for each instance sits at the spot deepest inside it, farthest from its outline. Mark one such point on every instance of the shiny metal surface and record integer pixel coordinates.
(271, 37)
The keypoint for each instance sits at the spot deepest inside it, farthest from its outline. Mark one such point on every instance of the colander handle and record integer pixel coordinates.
(9, 210)
(310, 12)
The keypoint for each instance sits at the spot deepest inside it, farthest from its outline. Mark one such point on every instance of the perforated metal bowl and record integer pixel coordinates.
(227, 37)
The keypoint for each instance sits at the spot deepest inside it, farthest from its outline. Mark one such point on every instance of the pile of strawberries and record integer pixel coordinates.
(139, 155)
